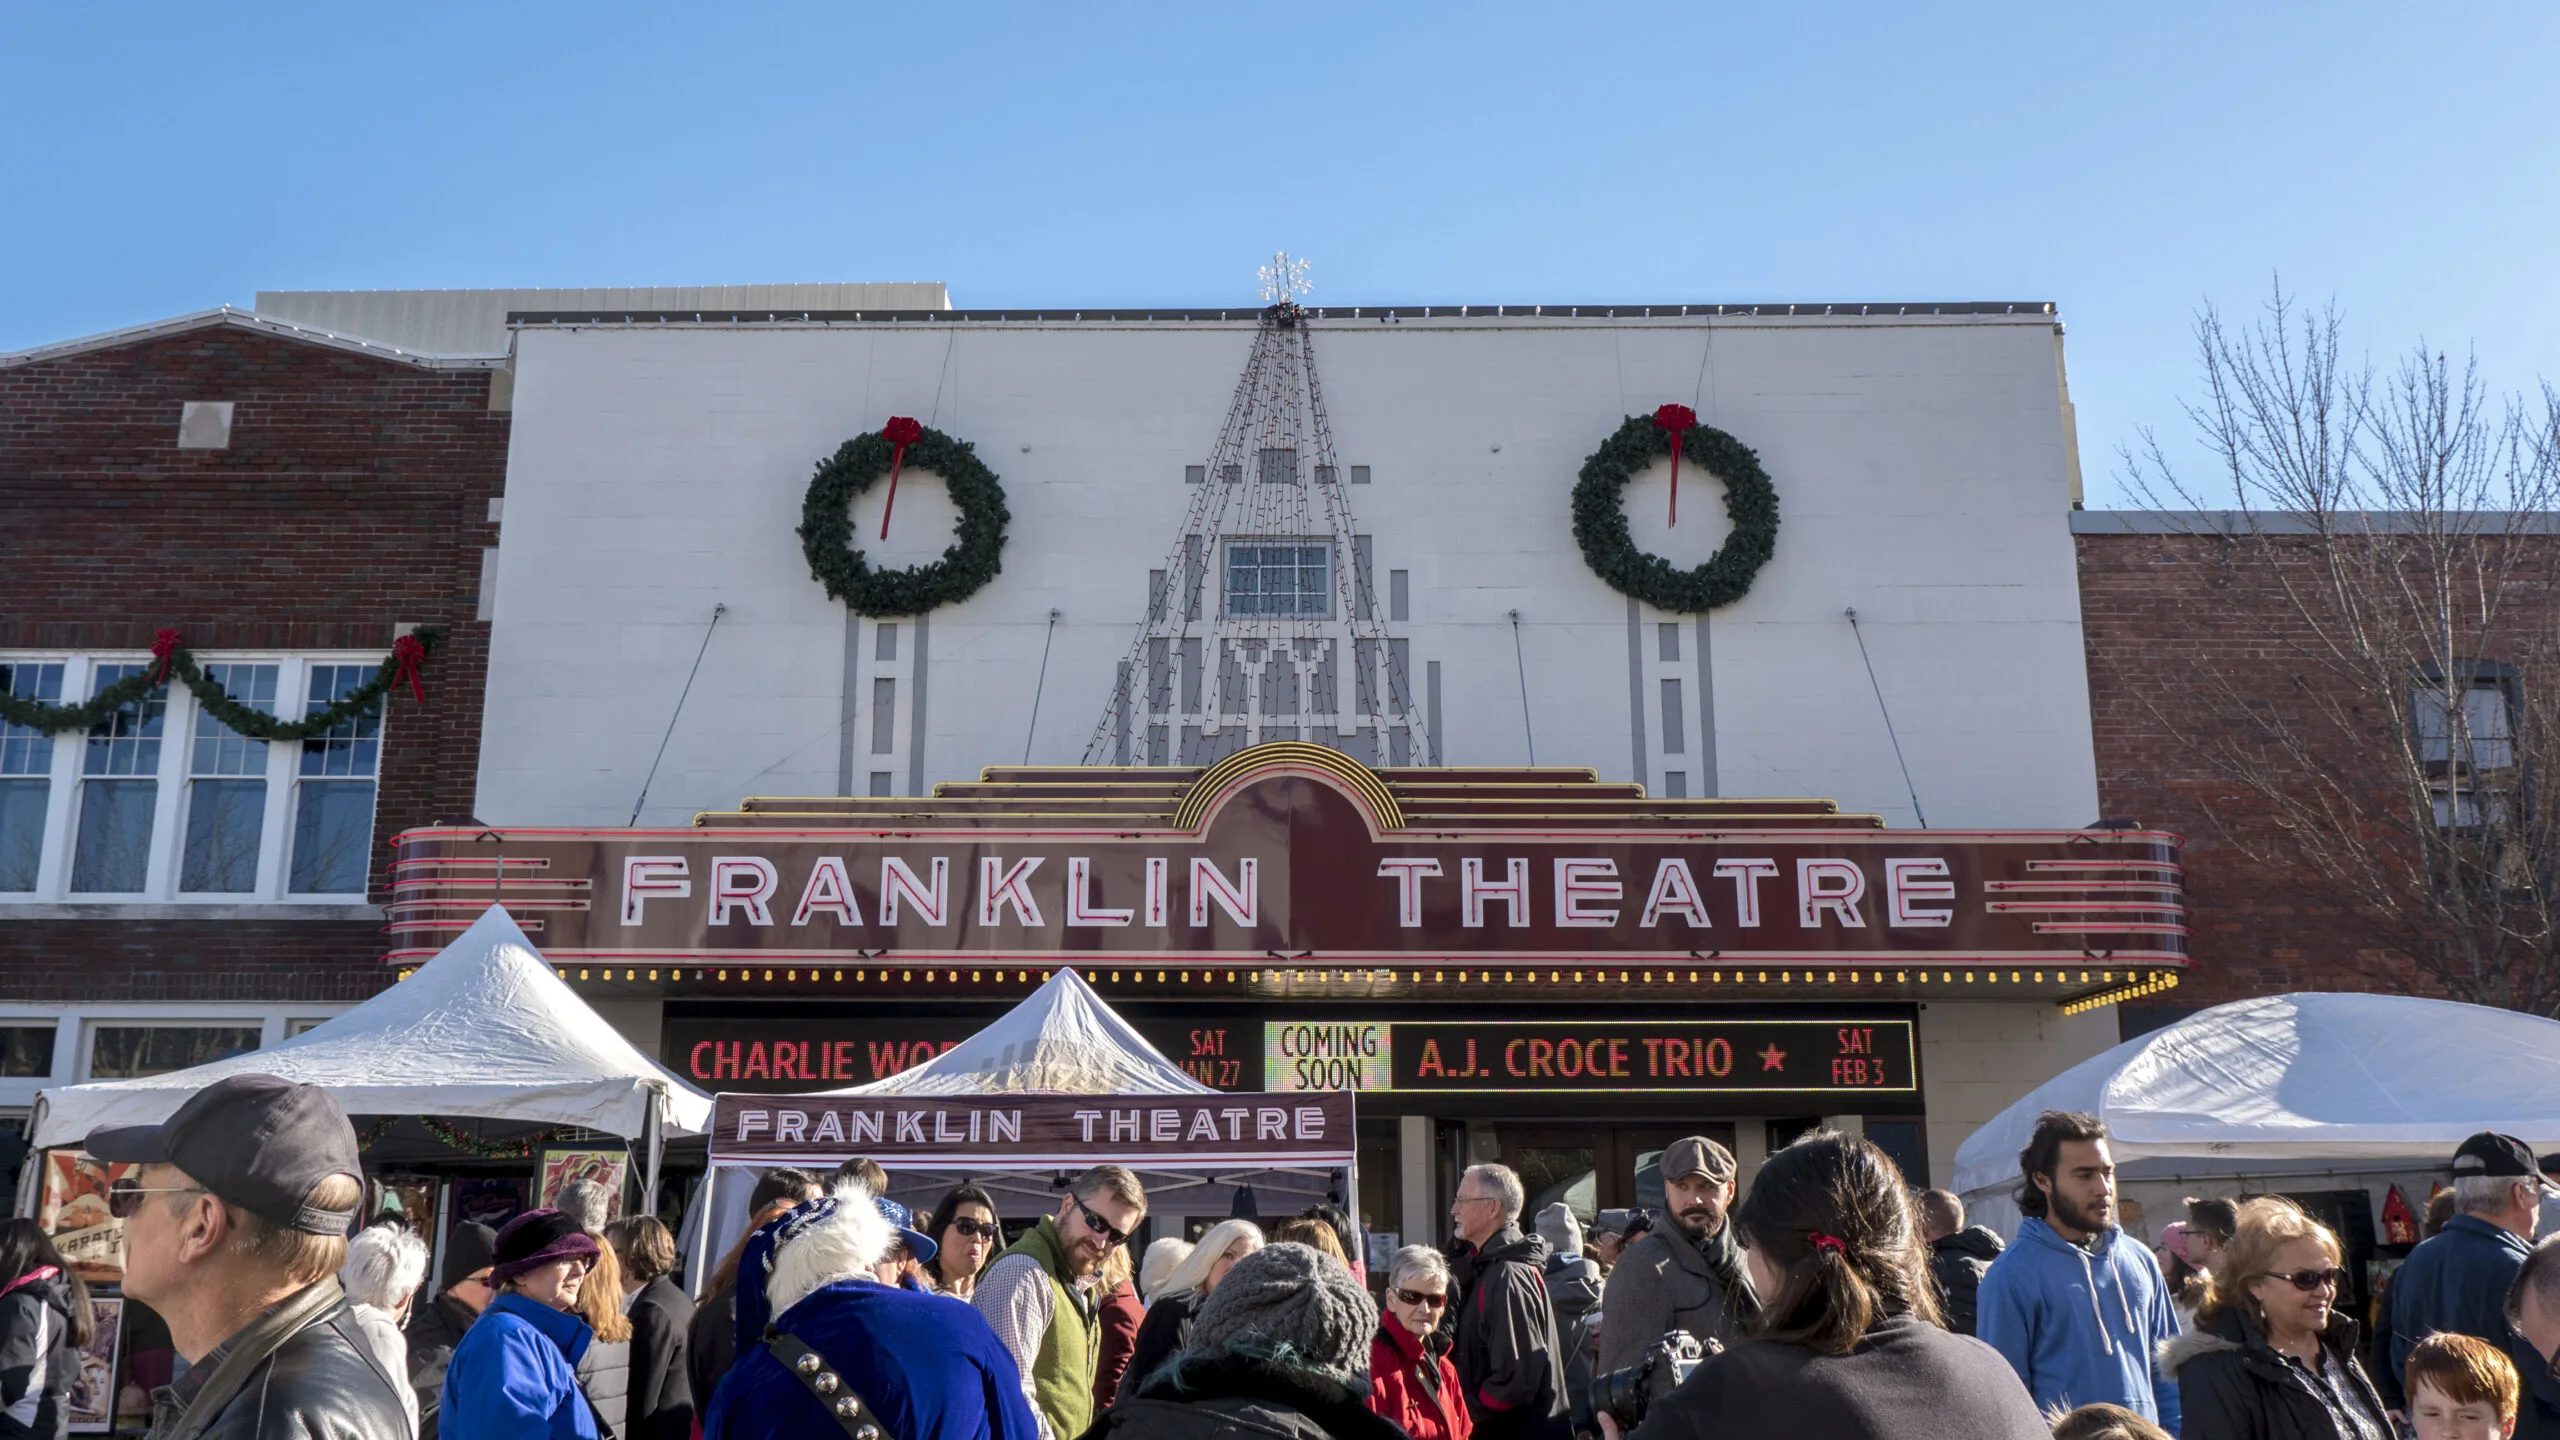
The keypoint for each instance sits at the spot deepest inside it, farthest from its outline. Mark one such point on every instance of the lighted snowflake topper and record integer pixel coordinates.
(1284, 279)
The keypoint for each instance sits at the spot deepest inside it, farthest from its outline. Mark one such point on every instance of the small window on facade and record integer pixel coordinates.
(1327, 475)
(26, 769)
(128, 1052)
(302, 1027)
(1195, 474)
(26, 1051)
(333, 799)
(204, 425)
(1279, 578)
(1359, 474)
(113, 852)
(2479, 734)
(1231, 474)
(1279, 467)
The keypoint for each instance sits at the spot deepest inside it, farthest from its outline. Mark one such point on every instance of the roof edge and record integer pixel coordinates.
(245, 320)
(1382, 314)
(2233, 524)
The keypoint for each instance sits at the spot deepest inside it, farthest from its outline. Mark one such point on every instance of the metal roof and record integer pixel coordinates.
(244, 320)
(1381, 314)
(475, 321)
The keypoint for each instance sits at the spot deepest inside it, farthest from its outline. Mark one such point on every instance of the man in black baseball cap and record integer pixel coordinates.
(2457, 1282)
(236, 1222)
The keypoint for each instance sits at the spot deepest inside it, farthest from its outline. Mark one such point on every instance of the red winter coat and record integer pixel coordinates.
(1118, 1317)
(1413, 1383)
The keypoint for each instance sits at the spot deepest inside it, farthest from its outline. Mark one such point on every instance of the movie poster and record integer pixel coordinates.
(490, 1200)
(563, 1168)
(74, 1212)
(92, 1401)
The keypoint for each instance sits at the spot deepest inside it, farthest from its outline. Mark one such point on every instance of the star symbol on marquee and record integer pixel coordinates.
(1773, 1058)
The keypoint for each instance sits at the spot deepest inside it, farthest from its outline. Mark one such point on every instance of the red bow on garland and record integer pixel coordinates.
(409, 653)
(1677, 419)
(900, 432)
(164, 650)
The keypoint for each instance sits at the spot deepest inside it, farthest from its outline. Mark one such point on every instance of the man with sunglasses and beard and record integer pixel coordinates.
(1685, 1274)
(2074, 1307)
(1041, 1300)
(236, 1222)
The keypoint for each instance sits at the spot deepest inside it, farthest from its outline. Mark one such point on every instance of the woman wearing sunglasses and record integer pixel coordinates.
(967, 1231)
(1167, 1327)
(1410, 1378)
(2271, 1358)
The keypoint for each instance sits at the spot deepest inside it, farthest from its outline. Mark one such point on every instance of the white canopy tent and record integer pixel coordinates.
(2267, 1094)
(484, 1030)
(1061, 1040)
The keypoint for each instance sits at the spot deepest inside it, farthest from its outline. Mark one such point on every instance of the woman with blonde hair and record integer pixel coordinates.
(1168, 1324)
(2271, 1357)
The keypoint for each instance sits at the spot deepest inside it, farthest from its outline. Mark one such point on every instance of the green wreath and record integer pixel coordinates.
(1600, 517)
(402, 662)
(975, 557)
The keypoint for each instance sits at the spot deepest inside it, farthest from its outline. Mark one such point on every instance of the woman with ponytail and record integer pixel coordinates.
(1848, 1344)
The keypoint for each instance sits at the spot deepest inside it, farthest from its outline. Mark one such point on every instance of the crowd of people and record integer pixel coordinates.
(1827, 1301)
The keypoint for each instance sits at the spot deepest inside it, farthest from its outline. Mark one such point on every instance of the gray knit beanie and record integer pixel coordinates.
(1289, 1306)
(1560, 1230)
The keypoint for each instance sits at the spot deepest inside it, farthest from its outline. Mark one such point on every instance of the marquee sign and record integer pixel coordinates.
(1023, 1131)
(1745, 1057)
(1296, 852)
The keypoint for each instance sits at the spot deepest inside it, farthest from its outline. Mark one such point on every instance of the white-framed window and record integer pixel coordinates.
(161, 802)
(1284, 578)
(131, 1049)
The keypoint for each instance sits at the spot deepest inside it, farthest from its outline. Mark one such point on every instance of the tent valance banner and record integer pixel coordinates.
(997, 1132)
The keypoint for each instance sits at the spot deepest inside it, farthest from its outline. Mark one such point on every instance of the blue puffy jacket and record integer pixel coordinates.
(512, 1376)
(2080, 1326)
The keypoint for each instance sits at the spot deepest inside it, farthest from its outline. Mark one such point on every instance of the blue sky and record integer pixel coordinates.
(2129, 163)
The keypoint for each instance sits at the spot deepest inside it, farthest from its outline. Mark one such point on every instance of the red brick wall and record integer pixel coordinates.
(354, 497)
(2156, 610)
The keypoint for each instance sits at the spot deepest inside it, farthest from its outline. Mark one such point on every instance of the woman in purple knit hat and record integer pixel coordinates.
(514, 1375)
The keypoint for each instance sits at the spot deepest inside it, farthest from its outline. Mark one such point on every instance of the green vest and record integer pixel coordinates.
(1062, 1373)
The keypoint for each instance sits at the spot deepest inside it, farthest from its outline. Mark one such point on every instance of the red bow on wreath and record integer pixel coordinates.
(164, 650)
(409, 654)
(1677, 419)
(900, 432)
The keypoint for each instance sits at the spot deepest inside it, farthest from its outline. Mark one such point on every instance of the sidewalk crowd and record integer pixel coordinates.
(1827, 1301)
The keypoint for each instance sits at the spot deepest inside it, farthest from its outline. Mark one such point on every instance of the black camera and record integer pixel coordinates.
(1624, 1395)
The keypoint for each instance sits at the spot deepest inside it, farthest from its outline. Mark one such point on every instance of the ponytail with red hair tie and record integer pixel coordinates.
(1832, 1243)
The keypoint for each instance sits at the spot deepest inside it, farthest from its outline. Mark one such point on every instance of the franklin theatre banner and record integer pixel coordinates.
(1000, 1131)
(1294, 865)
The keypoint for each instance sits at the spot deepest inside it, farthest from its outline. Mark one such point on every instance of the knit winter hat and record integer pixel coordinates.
(535, 1239)
(1560, 1230)
(1291, 1307)
(470, 1247)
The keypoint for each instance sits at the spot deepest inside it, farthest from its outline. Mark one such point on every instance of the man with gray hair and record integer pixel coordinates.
(1510, 1361)
(385, 1266)
(2459, 1283)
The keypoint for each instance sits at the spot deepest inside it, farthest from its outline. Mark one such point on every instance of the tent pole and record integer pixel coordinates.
(654, 1138)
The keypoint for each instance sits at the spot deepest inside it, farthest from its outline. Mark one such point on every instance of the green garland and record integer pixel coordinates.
(217, 702)
(1600, 517)
(826, 526)
(461, 1139)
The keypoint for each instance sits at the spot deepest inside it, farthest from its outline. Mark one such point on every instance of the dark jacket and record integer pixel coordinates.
(929, 1363)
(2457, 1283)
(711, 1344)
(1510, 1362)
(1907, 1380)
(2231, 1386)
(434, 1329)
(604, 1373)
(1235, 1398)
(661, 1401)
(1573, 1287)
(1666, 1281)
(1160, 1338)
(1957, 1263)
(299, 1372)
(1119, 1317)
(1412, 1383)
(38, 1361)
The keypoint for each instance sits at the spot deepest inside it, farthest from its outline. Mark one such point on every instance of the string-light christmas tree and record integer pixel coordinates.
(1264, 623)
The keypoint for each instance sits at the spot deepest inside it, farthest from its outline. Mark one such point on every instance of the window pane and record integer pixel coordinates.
(1288, 580)
(26, 1050)
(21, 832)
(23, 749)
(351, 747)
(218, 750)
(128, 741)
(223, 821)
(2492, 741)
(125, 1052)
(332, 836)
(113, 855)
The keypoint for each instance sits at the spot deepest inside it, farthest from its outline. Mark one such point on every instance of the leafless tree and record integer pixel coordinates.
(2388, 727)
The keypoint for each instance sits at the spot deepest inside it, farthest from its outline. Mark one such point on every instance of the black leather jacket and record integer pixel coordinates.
(298, 1372)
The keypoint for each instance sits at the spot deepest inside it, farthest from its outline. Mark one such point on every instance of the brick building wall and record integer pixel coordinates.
(2158, 612)
(353, 498)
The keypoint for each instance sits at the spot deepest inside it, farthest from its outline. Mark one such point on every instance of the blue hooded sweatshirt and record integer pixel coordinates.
(2080, 1326)
(511, 1377)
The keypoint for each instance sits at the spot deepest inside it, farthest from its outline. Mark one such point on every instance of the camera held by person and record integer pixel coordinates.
(1624, 1395)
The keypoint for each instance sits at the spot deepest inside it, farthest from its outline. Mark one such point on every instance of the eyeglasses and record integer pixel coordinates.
(124, 1197)
(2309, 1280)
(1423, 1299)
(1473, 1200)
(972, 1227)
(1112, 1239)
